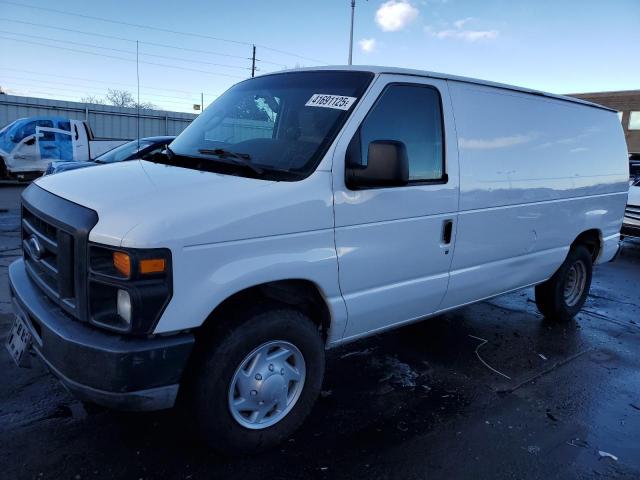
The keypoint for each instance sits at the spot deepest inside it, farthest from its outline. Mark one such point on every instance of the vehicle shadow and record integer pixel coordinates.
(378, 393)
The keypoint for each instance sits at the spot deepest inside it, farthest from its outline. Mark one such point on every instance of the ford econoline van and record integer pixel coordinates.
(303, 210)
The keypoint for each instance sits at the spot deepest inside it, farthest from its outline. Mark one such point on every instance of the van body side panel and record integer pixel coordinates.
(535, 173)
(393, 265)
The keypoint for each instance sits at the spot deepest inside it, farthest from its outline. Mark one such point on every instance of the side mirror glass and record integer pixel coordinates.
(387, 166)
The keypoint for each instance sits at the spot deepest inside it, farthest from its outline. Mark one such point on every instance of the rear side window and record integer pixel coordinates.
(410, 114)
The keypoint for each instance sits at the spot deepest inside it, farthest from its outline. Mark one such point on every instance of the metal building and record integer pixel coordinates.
(107, 122)
(627, 103)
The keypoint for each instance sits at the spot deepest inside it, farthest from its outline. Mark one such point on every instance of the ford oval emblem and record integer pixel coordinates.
(35, 249)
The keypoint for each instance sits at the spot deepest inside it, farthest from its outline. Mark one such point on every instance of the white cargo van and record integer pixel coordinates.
(29, 145)
(300, 211)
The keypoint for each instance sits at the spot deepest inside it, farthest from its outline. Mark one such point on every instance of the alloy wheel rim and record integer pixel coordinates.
(575, 283)
(267, 384)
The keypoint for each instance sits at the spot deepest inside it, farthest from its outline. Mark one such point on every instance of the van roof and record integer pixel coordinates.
(444, 76)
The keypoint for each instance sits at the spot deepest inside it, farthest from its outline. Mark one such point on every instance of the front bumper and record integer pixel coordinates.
(127, 373)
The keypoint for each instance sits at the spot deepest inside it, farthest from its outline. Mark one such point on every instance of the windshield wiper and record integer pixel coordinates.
(243, 159)
(169, 157)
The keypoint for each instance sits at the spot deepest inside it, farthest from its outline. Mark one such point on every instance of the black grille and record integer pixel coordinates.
(50, 264)
(632, 211)
(54, 243)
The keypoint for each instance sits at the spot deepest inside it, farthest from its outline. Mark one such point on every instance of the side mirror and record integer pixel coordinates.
(31, 140)
(387, 166)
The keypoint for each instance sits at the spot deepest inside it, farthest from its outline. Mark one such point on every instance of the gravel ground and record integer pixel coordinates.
(417, 402)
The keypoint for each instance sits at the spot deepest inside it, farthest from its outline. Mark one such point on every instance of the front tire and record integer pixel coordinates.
(258, 381)
(562, 296)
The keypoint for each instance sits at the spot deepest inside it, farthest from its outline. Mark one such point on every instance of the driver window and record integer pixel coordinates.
(410, 114)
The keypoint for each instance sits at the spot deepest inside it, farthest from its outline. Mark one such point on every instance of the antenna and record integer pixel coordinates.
(353, 9)
(138, 82)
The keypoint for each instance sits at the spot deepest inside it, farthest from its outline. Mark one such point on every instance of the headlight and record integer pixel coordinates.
(124, 306)
(128, 288)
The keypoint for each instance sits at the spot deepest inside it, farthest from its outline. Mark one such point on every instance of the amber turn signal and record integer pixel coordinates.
(122, 263)
(153, 265)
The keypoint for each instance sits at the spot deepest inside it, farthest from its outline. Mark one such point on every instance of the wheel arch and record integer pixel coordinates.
(302, 294)
(592, 239)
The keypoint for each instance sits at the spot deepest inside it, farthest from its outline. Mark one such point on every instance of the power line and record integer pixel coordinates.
(162, 45)
(186, 104)
(79, 94)
(284, 52)
(121, 58)
(89, 45)
(94, 88)
(99, 81)
(158, 29)
(120, 22)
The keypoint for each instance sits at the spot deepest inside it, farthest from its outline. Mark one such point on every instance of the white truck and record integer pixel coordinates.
(631, 222)
(223, 268)
(29, 145)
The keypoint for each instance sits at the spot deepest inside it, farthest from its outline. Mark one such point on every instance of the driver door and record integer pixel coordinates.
(395, 243)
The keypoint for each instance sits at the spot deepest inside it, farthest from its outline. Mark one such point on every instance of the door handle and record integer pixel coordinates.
(447, 230)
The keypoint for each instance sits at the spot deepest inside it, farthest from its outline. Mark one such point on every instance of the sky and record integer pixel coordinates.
(70, 49)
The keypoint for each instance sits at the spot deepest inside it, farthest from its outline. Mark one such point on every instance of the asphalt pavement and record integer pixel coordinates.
(490, 391)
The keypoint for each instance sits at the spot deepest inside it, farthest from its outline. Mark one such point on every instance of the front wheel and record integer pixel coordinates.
(258, 381)
(562, 296)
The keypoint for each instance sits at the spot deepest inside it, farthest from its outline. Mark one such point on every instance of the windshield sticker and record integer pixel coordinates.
(339, 102)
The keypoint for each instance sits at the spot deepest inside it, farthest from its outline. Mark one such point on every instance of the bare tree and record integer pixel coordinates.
(92, 99)
(117, 98)
(123, 98)
(146, 105)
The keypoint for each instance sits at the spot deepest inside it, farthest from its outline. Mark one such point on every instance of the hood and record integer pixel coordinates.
(65, 166)
(144, 204)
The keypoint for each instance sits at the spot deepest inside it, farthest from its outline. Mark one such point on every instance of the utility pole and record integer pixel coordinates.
(253, 62)
(353, 9)
(201, 102)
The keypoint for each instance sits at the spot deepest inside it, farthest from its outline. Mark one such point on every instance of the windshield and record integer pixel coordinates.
(123, 152)
(8, 126)
(279, 125)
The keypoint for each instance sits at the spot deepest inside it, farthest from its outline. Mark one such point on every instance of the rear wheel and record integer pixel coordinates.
(562, 296)
(258, 381)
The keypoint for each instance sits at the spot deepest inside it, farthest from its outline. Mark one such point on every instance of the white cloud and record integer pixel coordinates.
(460, 23)
(395, 15)
(494, 143)
(467, 35)
(367, 45)
(460, 33)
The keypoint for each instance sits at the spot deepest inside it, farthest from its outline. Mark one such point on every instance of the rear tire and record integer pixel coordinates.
(245, 365)
(562, 296)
